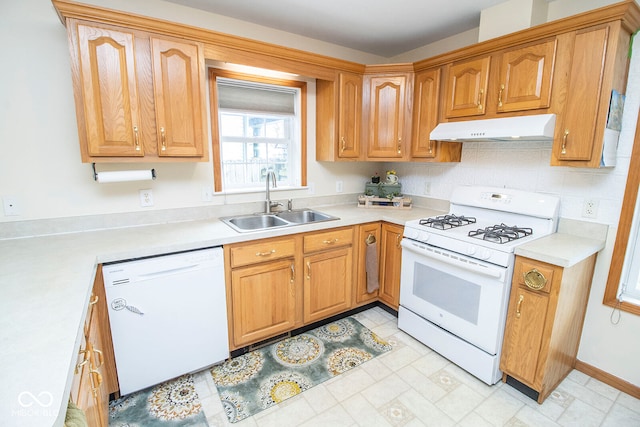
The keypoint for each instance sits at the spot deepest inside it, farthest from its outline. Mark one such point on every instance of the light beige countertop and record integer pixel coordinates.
(574, 242)
(45, 286)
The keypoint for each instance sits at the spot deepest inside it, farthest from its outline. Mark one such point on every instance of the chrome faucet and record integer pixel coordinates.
(268, 204)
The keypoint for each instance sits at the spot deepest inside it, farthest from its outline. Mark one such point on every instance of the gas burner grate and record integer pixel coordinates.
(501, 233)
(445, 222)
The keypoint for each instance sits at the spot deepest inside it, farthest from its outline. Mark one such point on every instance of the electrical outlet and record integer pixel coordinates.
(339, 187)
(207, 193)
(146, 198)
(311, 188)
(590, 208)
(11, 206)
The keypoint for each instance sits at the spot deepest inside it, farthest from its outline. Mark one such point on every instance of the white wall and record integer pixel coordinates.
(40, 161)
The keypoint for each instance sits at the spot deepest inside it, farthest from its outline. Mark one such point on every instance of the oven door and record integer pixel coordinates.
(462, 295)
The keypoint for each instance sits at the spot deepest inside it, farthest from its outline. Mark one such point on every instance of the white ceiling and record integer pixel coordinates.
(381, 27)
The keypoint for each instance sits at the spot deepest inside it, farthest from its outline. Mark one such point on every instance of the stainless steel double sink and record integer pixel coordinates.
(263, 221)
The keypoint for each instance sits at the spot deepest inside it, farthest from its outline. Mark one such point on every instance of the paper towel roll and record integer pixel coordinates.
(120, 176)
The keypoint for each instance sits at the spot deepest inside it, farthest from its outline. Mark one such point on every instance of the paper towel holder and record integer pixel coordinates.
(95, 173)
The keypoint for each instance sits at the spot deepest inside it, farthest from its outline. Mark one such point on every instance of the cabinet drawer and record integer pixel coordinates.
(533, 275)
(256, 252)
(328, 239)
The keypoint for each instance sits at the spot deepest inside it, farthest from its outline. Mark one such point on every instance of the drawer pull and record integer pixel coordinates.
(330, 242)
(534, 279)
(93, 300)
(518, 312)
(272, 251)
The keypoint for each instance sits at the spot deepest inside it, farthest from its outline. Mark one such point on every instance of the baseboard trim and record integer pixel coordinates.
(609, 379)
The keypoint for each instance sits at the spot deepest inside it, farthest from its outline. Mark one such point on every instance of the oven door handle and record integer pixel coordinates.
(470, 265)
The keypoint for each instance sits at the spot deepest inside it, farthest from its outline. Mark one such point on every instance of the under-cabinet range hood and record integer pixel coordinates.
(522, 128)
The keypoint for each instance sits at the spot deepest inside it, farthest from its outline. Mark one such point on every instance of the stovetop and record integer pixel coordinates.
(488, 223)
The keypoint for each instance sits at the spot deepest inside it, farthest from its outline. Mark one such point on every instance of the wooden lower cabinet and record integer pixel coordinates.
(328, 274)
(544, 322)
(390, 263)
(95, 374)
(263, 301)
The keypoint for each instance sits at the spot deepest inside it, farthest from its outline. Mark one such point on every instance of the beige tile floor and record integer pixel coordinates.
(414, 386)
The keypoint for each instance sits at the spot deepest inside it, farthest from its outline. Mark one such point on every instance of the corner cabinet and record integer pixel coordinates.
(138, 96)
(546, 312)
(388, 101)
(338, 115)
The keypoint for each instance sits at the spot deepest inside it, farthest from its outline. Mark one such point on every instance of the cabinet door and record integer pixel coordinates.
(349, 115)
(327, 283)
(426, 100)
(524, 334)
(177, 79)
(366, 232)
(575, 134)
(386, 115)
(466, 91)
(109, 97)
(525, 77)
(263, 301)
(391, 262)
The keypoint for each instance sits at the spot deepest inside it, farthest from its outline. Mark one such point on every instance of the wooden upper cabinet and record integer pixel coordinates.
(349, 115)
(466, 88)
(599, 65)
(178, 97)
(425, 113)
(108, 97)
(138, 96)
(526, 75)
(339, 118)
(388, 106)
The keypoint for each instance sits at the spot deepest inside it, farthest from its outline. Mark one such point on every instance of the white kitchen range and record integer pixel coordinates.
(457, 270)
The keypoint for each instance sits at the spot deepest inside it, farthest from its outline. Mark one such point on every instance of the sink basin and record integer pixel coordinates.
(304, 216)
(259, 221)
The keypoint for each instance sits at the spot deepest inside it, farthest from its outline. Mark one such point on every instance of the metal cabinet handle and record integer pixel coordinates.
(342, 144)
(398, 240)
(308, 270)
(430, 146)
(96, 377)
(330, 242)
(100, 358)
(136, 138)
(84, 360)
(399, 145)
(94, 299)
(272, 251)
(293, 273)
(500, 95)
(564, 141)
(164, 139)
(292, 287)
(479, 103)
(518, 312)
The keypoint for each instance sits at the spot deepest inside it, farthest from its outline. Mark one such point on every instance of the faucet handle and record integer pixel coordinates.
(290, 204)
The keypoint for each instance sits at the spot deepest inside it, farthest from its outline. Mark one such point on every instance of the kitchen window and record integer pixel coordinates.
(258, 126)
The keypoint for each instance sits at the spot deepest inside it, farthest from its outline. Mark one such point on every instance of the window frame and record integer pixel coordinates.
(214, 74)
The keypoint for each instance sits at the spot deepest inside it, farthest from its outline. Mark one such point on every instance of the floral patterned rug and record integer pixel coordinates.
(171, 404)
(255, 381)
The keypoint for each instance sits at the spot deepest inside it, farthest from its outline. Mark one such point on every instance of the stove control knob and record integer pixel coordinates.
(471, 250)
(485, 254)
(423, 237)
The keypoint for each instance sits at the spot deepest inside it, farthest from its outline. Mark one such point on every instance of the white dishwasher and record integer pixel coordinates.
(168, 316)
